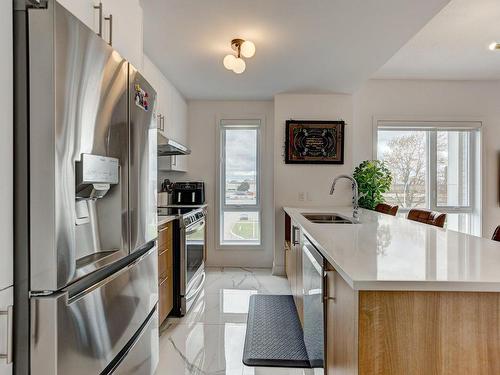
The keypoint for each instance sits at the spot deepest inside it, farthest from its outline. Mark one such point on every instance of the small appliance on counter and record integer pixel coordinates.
(188, 193)
(165, 193)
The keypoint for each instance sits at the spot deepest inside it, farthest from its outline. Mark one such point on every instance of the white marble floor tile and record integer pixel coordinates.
(209, 340)
(210, 349)
(226, 306)
(258, 279)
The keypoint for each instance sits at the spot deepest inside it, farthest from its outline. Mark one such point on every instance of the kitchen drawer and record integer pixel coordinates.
(110, 308)
(165, 237)
(166, 298)
(141, 357)
(163, 264)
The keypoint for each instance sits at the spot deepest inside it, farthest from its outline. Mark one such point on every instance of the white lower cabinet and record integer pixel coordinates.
(6, 330)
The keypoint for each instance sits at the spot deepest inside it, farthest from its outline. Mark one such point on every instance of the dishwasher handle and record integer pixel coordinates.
(329, 291)
(295, 237)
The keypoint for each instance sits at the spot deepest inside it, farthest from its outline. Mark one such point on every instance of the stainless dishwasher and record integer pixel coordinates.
(312, 273)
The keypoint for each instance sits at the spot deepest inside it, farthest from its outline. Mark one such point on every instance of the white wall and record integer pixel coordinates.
(203, 163)
(442, 99)
(313, 180)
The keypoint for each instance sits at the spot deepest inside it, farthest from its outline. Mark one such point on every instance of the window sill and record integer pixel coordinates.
(239, 247)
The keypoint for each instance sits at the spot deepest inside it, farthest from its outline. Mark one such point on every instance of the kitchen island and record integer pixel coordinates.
(402, 297)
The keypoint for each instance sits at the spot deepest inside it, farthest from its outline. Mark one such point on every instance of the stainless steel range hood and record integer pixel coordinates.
(168, 147)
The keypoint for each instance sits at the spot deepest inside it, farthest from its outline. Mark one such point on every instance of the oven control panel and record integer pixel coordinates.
(193, 217)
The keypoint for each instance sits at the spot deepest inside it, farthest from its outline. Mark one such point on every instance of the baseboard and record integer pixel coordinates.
(278, 270)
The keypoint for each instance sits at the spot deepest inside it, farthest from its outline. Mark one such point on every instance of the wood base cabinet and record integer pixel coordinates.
(410, 332)
(165, 271)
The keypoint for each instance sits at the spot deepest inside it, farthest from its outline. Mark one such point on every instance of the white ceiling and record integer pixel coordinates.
(453, 45)
(302, 45)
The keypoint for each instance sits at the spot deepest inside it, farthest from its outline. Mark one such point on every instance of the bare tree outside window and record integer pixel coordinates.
(405, 156)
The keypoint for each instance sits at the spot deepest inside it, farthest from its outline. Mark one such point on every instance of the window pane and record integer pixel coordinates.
(241, 227)
(453, 153)
(241, 167)
(405, 155)
(459, 222)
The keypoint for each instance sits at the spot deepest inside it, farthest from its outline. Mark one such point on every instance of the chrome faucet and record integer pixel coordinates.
(355, 194)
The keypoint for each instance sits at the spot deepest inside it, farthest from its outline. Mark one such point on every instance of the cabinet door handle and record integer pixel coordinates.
(8, 354)
(158, 121)
(110, 19)
(99, 7)
(329, 295)
(163, 123)
(295, 241)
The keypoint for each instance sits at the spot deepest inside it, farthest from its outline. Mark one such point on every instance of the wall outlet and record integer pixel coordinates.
(308, 197)
(301, 196)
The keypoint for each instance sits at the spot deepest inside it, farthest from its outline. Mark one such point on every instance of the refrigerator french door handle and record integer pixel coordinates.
(77, 296)
(10, 320)
(99, 7)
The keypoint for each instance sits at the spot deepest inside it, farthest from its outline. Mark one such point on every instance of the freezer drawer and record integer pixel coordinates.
(141, 356)
(82, 331)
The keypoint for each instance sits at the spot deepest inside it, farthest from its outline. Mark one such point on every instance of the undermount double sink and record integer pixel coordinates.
(328, 218)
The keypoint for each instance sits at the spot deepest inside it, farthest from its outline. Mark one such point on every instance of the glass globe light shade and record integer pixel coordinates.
(229, 62)
(239, 66)
(494, 46)
(247, 49)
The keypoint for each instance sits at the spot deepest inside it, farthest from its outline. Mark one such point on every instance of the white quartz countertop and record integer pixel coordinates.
(383, 252)
(163, 219)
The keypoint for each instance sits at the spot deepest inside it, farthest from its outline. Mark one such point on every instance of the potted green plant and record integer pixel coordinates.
(374, 179)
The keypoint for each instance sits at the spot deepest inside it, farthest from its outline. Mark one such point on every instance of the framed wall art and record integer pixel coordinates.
(314, 142)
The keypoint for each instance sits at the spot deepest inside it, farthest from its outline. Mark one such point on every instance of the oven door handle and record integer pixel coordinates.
(182, 262)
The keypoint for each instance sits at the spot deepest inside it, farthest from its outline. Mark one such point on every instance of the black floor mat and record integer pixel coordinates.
(274, 336)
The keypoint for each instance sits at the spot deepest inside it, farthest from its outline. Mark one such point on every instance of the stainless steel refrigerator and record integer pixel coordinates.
(86, 286)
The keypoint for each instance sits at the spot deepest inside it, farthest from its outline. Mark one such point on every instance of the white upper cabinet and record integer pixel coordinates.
(121, 23)
(171, 113)
(125, 28)
(83, 10)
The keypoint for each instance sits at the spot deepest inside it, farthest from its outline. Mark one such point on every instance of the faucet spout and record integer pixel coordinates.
(355, 192)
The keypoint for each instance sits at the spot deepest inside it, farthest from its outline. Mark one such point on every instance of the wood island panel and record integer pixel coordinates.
(341, 326)
(429, 333)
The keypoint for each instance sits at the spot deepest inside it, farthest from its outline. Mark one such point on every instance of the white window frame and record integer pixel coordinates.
(238, 122)
(432, 126)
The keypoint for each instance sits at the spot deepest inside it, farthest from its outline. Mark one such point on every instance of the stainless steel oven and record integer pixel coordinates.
(191, 265)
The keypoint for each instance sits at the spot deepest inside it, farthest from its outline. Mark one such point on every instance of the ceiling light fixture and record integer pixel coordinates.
(494, 46)
(243, 48)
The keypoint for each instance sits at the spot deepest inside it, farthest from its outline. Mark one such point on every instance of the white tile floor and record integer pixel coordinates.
(209, 339)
